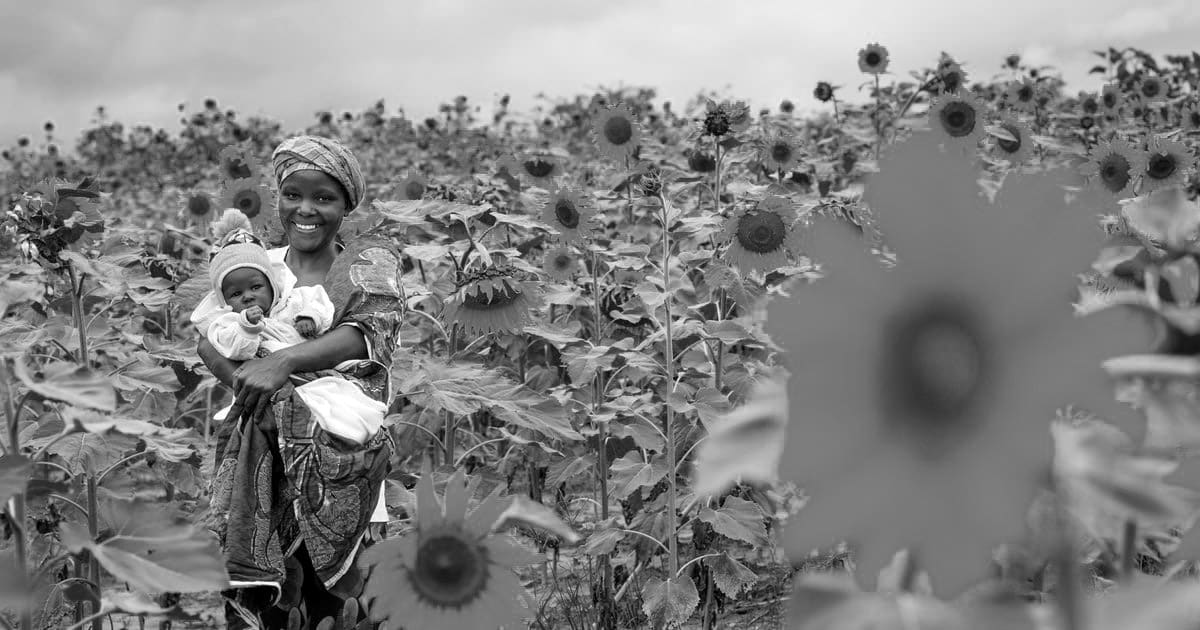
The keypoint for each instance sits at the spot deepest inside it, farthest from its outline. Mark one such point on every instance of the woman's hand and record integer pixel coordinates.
(255, 383)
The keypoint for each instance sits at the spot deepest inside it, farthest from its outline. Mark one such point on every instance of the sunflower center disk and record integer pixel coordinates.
(717, 123)
(934, 372)
(1161, 166)
(761, 232)
(873, 58)
(958, 119)
(1115, 172)
(617, 130)
(781, 152)
(538, 168)
(566, 214)
(249, 203)
(450, 571)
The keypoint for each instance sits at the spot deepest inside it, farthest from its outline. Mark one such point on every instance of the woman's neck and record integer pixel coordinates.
(310, 268)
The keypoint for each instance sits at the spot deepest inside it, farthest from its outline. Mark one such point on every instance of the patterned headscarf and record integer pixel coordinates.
(320, 154)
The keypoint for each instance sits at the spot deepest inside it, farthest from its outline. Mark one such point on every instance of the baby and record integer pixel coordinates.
(249, 312)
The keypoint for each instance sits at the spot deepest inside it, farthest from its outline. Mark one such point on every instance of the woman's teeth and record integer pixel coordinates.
(305, 228)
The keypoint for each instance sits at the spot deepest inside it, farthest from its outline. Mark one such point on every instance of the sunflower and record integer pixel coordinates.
(452, 572)
(197, 208)
(1168, 163)
(492, 300)
(1089, 103)
(873, 59)
(1115, 164)
(823, 92)
(921, 396)
(1151, 89)
(1022, 95)
(617, 133)
(567, 213)
(780, 152)
(1190, 118)
(412, 187)
(237, 163)
(1111, 99)
(724, 118)
(535, 169)
(959, 116)
(701, 161)
(761, 237)
(1017, 150)
(952, 76)
(560, 263)
(250, 196)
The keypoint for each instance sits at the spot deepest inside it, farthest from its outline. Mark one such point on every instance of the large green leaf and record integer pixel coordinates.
(730, 575)
(72, 384)
(631, 473)
(669, 603)
(152, 549)
(738, 519)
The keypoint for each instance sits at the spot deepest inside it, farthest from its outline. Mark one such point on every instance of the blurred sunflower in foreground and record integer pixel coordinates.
(921, 396)
(452, 572)
(252, 197)
(492, 300)
(762, 237)
(617, 133)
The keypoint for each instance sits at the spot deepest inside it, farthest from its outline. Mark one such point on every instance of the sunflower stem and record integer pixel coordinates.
(1064, 560)
(602, 439)
(878, 119)
(669, 364)
(77, 312)
(1129, 537)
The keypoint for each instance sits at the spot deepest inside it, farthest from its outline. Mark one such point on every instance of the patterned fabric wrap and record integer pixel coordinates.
(320, 154)
(274, 490)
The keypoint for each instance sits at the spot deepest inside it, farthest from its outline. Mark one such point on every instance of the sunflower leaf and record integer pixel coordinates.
(631, 473)
(730, 575)
(738, 519)
(669, 603)
(524, 511)
(71, 384)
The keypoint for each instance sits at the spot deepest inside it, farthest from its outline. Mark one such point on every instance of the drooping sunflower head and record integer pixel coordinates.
(252, 197)
(412, 187)
(535, 169)
(762, 237)
(779, 152)
(452, 572)
(1168, 163)
(701, 161)
(952, 77)
(959, 117)
(560, 263)
(1111, 99)
(1115, 165)
(823, 92)
(1013, 140)
(617, 133)
(1022, 95)
(568, 214)
(873, 59)
(724, 118)
(236, 162)
(492, 300)
(1151, 88)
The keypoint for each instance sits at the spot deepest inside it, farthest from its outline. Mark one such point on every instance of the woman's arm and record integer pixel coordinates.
(256, 381)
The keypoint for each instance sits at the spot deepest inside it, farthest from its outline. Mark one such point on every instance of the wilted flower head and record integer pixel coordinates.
(492, 300)
(951, 75)
(724, 118)
(1115, 165)
(617, 133)
(924, 425)
(873, 59)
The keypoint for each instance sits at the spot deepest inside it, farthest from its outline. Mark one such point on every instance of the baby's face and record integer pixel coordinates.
(246, 287)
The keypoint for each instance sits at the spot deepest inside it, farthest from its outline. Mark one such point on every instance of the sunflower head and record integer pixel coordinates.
(779, 152)
(724, 118)
(412, 188)
(762, 237)
(1087, 122)
(952, 77)
(617, 133)
(560, 263)
(1013, 140)
(1022, 95)
(959, 117)
(251, 197)
(701, 161)
(197, 208)
(1111, 99)
(1151, 88)
(1168, 163)
(1089, 103)
(823, 92)
(492, 300)
(873, 59)
(1115, 165)
(236, 162)
(535, 169)
(567, 213)
(452, 572)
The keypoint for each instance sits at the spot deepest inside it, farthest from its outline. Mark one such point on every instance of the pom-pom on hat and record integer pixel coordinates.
(237, 247)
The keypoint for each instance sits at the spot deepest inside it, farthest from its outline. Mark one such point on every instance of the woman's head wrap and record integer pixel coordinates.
(320, 154)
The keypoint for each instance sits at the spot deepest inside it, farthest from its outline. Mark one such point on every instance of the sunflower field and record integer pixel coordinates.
(923, 360)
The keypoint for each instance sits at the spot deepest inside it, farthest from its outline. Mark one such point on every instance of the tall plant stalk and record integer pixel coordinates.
(607, 618)
(669, 364)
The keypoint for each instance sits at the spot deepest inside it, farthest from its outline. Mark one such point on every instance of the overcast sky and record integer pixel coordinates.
(59, 59)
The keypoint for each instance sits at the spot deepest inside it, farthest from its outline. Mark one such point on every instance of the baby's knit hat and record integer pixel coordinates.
(237, 247)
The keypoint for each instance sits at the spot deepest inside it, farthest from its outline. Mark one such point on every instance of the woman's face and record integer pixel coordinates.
(311, 208)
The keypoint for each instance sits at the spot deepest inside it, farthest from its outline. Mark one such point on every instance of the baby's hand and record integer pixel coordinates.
(254, 314)
(306, 326)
